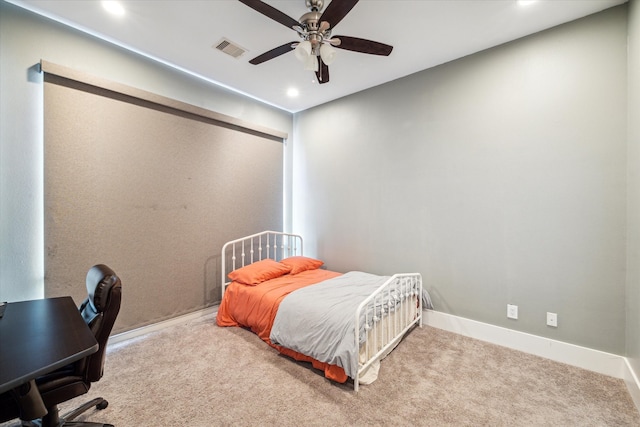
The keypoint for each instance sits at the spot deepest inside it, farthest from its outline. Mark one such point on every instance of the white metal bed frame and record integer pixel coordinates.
(384, 326)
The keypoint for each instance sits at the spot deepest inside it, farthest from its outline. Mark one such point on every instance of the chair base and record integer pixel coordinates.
(52, 419)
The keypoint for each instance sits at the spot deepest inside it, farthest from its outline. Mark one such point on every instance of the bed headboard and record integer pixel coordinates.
(267, 244)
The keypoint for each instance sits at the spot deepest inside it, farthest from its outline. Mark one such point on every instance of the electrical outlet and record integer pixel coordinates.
(512, 311)
(552, 319)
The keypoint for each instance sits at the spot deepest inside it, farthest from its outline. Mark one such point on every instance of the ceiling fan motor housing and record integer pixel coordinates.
(310, 21)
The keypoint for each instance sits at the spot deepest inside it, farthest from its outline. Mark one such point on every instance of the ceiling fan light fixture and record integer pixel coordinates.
(303, 50)
(327, 53)
(311, 63)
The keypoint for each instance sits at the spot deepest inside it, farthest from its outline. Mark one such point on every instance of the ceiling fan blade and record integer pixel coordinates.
(271, 12)
(273, 53)
(337, 10)
(323, 72)
(364, 46)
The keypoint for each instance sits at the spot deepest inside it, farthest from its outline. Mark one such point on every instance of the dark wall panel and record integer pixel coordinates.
(153, 192)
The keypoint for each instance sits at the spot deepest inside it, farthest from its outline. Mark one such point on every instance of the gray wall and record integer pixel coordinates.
(25, 39)
(633, 235)
(501, 177)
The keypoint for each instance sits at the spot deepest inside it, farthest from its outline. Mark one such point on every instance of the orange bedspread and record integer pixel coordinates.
(255, 307)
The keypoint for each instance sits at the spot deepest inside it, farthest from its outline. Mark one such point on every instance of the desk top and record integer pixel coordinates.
(40, 336)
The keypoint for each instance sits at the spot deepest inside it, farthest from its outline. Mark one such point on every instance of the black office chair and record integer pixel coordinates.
(99, 310)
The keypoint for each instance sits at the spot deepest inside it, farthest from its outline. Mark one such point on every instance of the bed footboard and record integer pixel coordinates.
(390, 312)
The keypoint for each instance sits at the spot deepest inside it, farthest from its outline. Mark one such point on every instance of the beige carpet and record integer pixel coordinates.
(198, 374)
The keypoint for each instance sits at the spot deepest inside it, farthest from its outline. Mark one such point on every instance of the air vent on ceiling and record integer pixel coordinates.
(230, 48)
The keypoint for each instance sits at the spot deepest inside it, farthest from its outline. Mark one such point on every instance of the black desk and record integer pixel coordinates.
(40, 336)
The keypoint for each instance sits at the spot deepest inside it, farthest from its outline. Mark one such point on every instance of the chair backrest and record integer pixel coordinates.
(100, 310)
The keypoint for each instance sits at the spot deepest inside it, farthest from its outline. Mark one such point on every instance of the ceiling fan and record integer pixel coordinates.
(315, 49)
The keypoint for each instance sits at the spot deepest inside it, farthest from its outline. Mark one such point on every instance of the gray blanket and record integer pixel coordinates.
(319, 320)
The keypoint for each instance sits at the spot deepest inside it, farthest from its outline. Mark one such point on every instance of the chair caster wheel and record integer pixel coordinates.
(102, 405)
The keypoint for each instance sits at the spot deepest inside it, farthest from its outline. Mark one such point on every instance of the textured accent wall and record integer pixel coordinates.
(153, 192)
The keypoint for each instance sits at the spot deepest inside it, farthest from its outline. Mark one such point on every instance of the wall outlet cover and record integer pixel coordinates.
(552, 319)
(512, 311)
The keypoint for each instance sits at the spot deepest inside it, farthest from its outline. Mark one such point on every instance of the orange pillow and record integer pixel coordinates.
(298, 264)
(259, 272)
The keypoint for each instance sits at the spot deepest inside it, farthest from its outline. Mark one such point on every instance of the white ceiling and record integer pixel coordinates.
(424, 33)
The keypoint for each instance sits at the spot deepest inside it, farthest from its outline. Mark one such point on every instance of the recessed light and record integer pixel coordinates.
(526, 2)
(292, 92)
(113, 7)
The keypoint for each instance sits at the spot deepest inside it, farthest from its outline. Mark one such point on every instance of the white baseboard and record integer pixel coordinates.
(633, 383)
(582, 357)
(124, 336)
